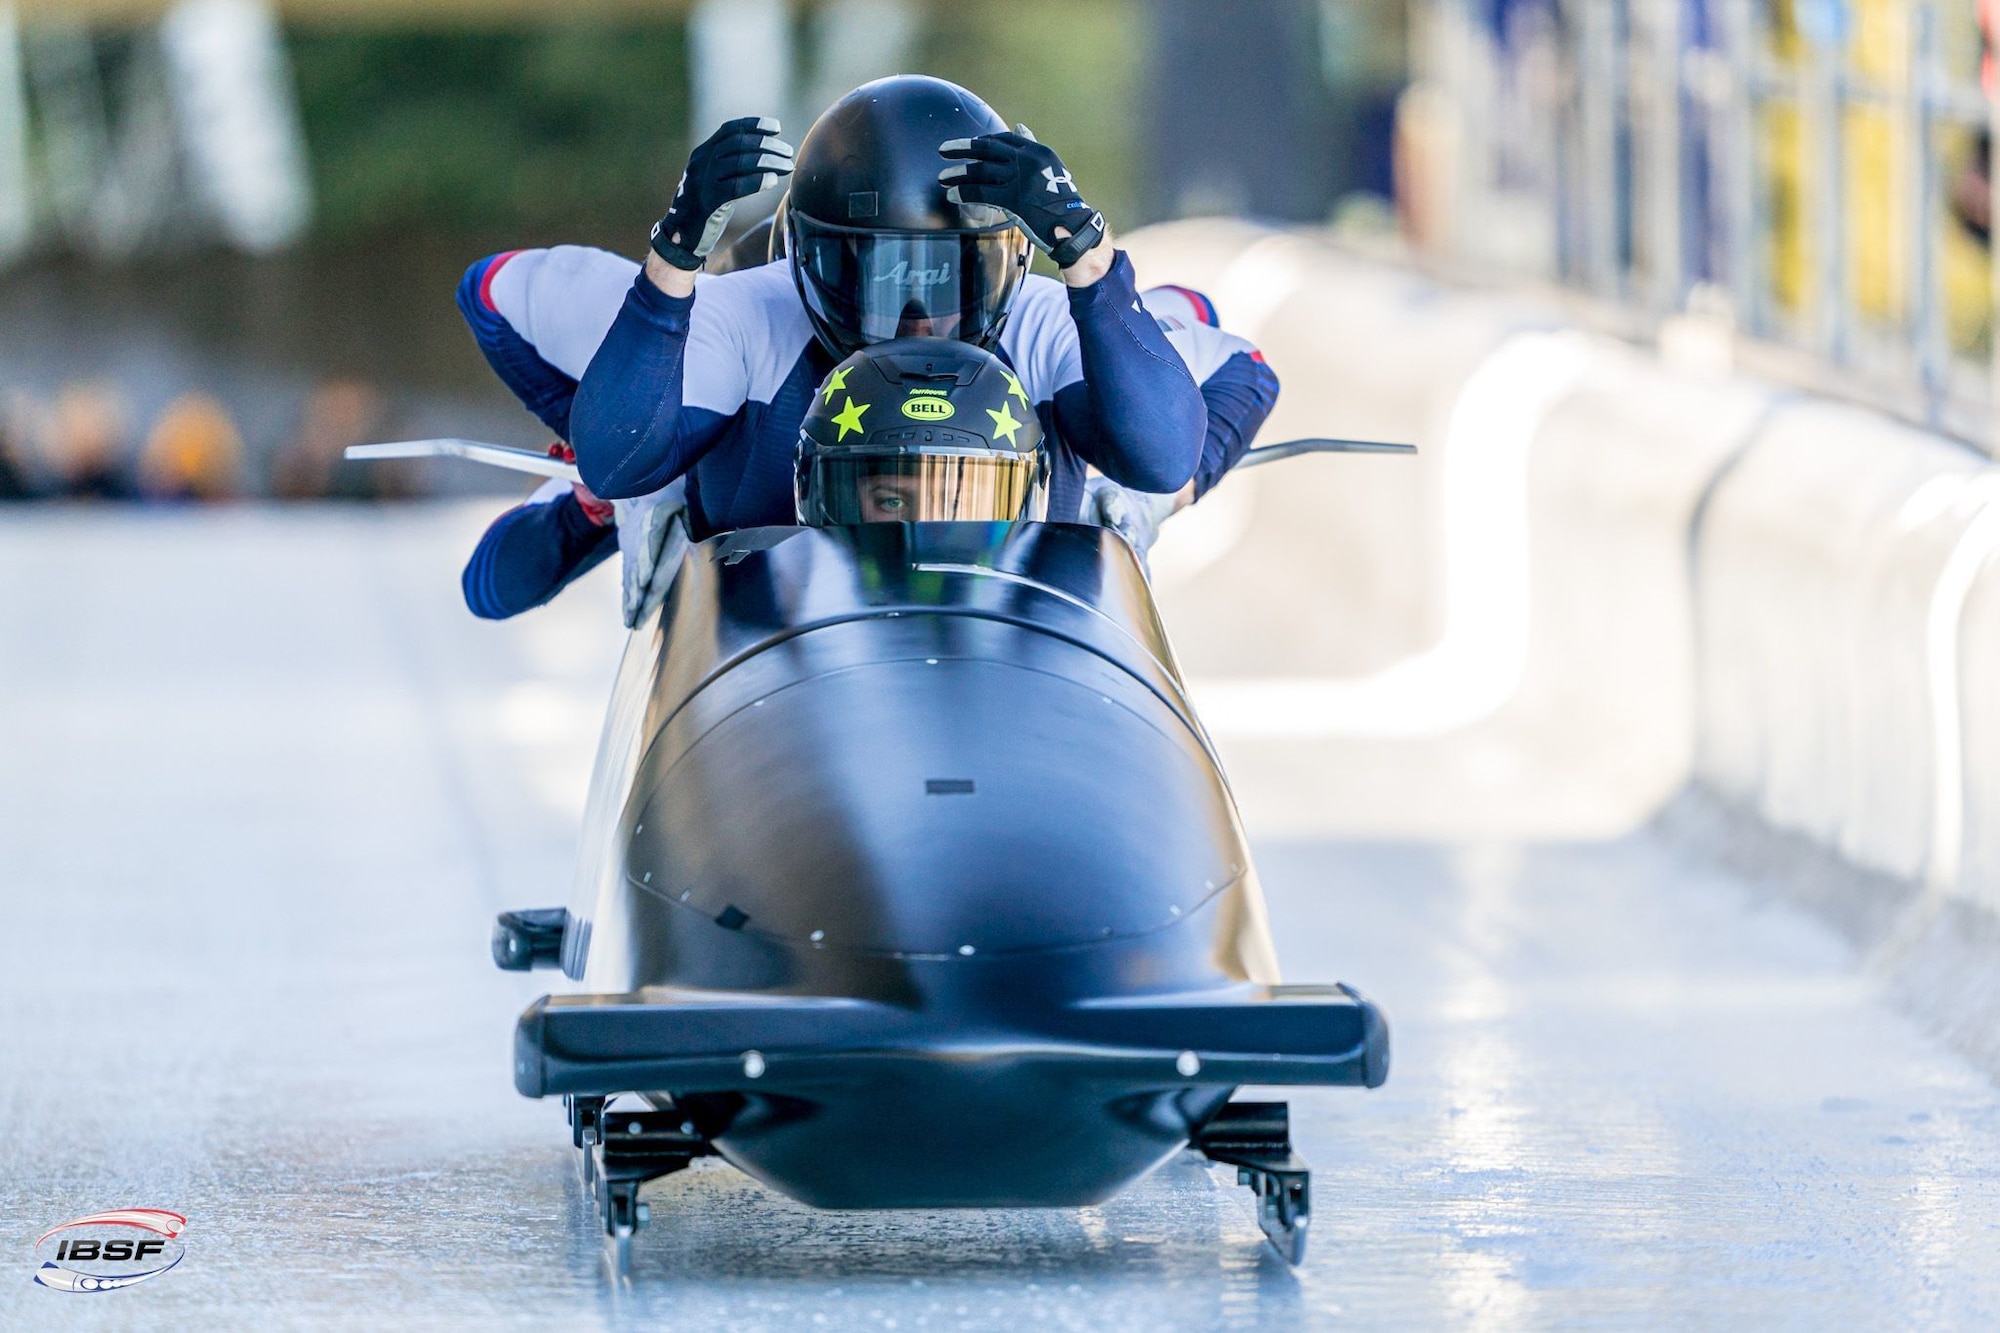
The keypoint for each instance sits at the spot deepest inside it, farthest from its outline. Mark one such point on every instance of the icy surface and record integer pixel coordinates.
(263, 783)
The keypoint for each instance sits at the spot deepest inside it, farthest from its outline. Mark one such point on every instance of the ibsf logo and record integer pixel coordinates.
(106, 1251)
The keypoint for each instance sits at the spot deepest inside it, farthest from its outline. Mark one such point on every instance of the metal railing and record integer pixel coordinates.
(1779, 168)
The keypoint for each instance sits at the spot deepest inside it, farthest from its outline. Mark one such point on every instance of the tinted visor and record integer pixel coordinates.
(870, 286)
(923, 488)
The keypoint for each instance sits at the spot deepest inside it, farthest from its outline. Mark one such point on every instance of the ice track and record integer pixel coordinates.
(263, 784)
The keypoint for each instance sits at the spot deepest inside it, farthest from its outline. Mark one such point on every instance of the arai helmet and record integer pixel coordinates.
(876, 248)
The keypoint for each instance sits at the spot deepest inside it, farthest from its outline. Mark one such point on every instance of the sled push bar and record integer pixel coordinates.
(493, 455)
(527, 460)
(1275, 453)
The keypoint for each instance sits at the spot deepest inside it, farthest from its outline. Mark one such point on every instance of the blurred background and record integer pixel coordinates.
(1805, 175)
(230, 229)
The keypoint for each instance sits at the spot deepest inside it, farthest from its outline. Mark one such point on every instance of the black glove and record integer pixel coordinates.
(737, 161)
(1025, 179)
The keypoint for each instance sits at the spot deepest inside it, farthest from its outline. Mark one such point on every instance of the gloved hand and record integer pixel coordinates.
(597, 511)
(1134, 515)
(735, 162)
(1026, 180)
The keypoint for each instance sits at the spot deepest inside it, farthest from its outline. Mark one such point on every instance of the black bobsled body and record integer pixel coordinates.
(911, 878)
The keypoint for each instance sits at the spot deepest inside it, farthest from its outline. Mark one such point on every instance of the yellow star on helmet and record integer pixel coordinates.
(1004, 423)
(1014, 387)
(849, 419)
(835, 383)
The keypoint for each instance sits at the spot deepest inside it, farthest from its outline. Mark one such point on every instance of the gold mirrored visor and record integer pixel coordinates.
(923, 488)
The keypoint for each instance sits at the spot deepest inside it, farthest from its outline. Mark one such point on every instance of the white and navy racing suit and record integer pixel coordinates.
(1238, 388)
(532, 552)
(714, 386)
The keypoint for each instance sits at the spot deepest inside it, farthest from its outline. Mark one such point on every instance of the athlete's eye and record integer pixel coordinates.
(889, 502)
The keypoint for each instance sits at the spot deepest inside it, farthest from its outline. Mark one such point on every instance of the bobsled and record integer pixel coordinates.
(910, 879)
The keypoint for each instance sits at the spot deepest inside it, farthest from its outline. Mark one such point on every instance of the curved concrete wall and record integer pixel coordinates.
(1979, 662)
(1816, 569)
(1363, 350)
(1794, 603)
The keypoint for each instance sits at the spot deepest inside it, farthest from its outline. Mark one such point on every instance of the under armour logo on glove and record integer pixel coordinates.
(1002, 171)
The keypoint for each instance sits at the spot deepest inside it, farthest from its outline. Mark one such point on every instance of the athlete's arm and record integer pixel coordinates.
(1239, 397)
(534, 551)
(1094, 265)
(661, 389)
(1135, 414)
(670, 280)
(538, 316)
(632, 431)
(542, 389)
(1237, 388)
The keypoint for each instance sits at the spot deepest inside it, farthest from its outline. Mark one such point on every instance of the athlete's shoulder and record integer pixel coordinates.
(748, 331)
(1188, 319)
(751, 302)
(765, 287)
(1040, 338)
(561, 299)
(520, 281)
(1040, 300)
(1206, 349)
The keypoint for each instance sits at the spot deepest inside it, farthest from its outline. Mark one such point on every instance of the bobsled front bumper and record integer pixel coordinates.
(709, 1042)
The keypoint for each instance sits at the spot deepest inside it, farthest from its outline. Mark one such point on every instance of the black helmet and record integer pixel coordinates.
(876, 248)
(921, 430)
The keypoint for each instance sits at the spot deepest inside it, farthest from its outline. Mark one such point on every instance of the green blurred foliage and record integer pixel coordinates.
(1364, 45)
(526, 135)
(1070, 72)
(532, 134)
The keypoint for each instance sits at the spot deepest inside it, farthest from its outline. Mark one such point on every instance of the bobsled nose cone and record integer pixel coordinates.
(876, 836)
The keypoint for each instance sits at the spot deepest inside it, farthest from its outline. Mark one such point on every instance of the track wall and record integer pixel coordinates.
(1736, 596)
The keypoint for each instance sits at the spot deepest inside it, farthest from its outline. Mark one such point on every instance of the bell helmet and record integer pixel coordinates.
(921, 430)
(877, 250)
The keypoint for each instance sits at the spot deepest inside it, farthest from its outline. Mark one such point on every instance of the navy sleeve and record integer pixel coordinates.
(542, 389)
(530, 554)
(1239, 396)
(632, 433)
(1137, 415)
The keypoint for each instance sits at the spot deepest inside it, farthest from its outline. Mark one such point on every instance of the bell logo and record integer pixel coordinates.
(928, 409)
(107, 1251)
